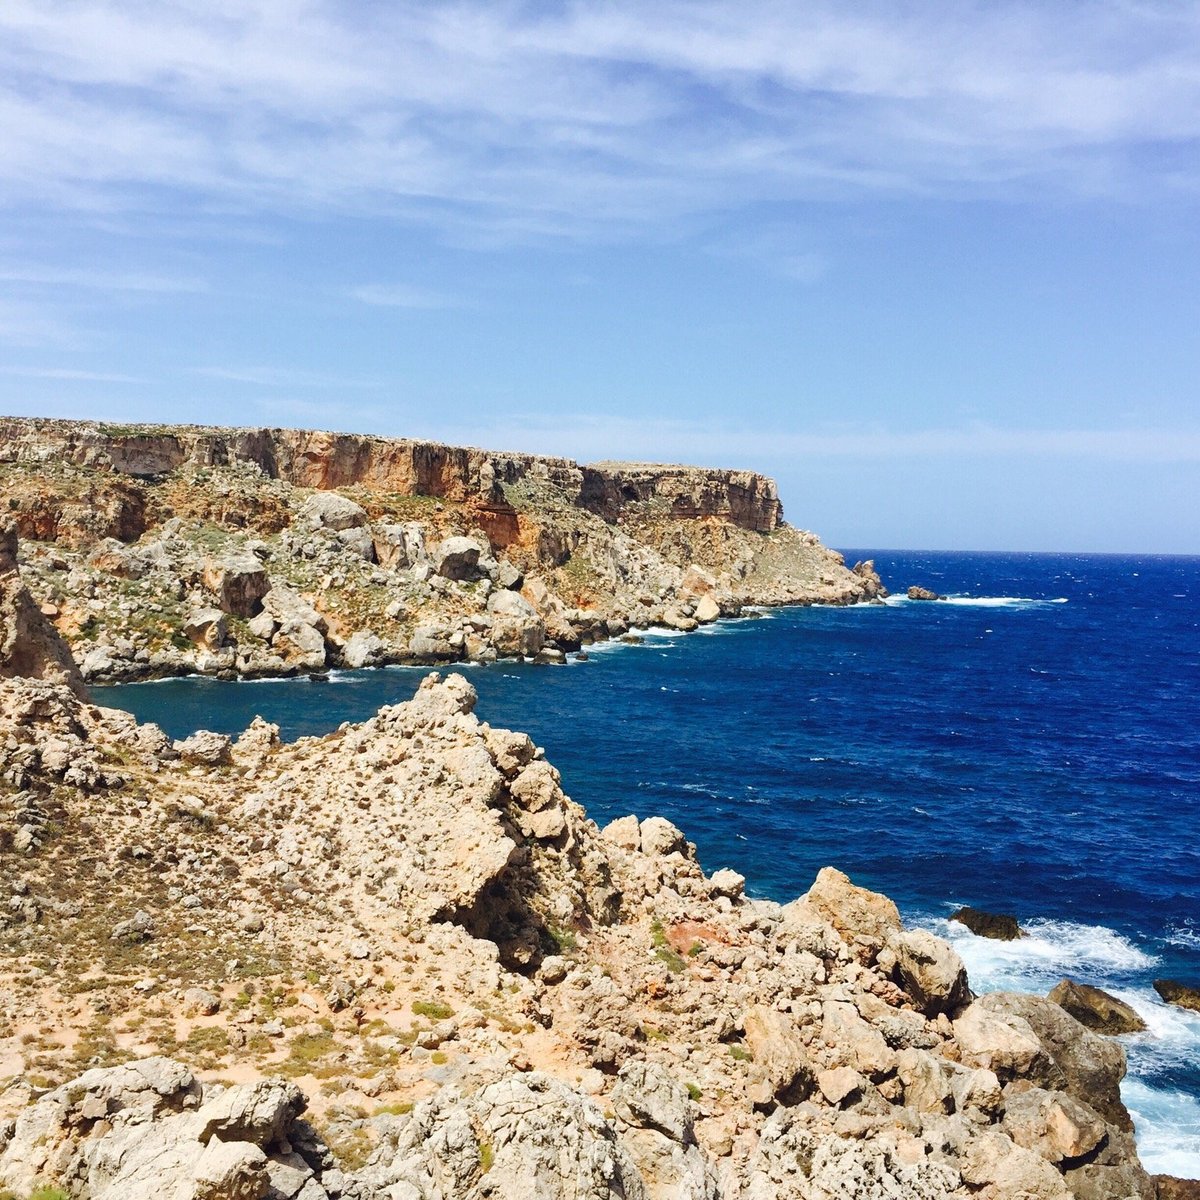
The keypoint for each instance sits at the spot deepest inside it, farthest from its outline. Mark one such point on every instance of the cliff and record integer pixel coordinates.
(162, 550)
(410, 930)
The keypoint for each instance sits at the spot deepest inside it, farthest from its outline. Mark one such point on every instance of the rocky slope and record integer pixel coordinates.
(409, 930)
(163, 550)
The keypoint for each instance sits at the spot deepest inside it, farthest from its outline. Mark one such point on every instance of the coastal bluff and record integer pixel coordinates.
(164, 550)
(399, 963)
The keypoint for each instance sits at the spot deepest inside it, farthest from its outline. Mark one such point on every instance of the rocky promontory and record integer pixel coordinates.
(165, 550)
(400, 963)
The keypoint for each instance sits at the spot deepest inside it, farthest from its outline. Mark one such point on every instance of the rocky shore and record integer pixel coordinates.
(169, 550)
(399, 963)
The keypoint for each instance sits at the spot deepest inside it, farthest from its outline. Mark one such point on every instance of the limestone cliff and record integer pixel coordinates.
(168, 549)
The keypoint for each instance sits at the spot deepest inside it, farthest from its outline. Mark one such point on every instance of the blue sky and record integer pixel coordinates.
(934, 267)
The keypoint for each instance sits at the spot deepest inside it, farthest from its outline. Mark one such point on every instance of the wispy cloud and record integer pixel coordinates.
(283, 377)
(66, 374)
(99, 281)
(589, 438)
(588, 120)
(401, 295)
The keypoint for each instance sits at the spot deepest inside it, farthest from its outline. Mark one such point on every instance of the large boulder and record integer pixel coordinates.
(239, 582)
(517, 629)
(458, 558)
(1084, 1064)
(930, 972)
(1181, 994)
(1095, 1008)
(866, 920)
(329, 510)
(399, 546)
(999, 926)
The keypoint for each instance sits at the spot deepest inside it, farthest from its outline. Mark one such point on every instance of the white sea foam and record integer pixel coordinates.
(981, 601)
(1052, 950)
(1167, 1128)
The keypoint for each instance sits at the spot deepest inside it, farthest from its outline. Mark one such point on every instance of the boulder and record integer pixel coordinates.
(363, 649)
(922, 593)
(206, 748)
(780, 1071)
(1084, 1064)
(646, 1096)
(998, 926)
(865, 920)
(457, 558)
(239, 582)
(1055, 1126)
(358, 541)
(996, 1041)
(1182, 994)
(1095, 1008)
(398, 547)
(329, 510)
(431, 643)
(207, 628)
(931, 972)
(707, 609)
(517, 629)
(659, 837)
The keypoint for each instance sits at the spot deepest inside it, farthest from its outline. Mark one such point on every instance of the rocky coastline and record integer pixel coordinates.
(173, 550)
(399, 963)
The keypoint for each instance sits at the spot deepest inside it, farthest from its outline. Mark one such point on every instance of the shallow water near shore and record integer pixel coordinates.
(1031, 745)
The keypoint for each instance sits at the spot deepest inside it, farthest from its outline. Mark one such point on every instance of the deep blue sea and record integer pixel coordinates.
(1030, 745)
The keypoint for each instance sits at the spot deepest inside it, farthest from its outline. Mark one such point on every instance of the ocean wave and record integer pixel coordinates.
(981, 601)
(1167, 1128)
(1051, 951)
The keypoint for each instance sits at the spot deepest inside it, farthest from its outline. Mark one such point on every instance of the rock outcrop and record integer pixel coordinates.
(397, 550)
(478, 992)
(30, 646)
(1095, 1008)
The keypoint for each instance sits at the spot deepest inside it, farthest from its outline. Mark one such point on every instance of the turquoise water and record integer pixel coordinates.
(1031, 745)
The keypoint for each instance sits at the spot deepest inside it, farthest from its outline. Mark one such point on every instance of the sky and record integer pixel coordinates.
(936, 268)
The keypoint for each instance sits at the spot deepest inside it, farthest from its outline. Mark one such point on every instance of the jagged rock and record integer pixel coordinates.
(989, 925)
(363, 650)
(1096, 1009)
(457, 558)
(207, 628)
(30, 646)
(922, 593)
(781, 1070)
(516, 627)
(202, 1001)
(1181, 994)
(1084, 1064)
(239, 582)
(543, 1140)
(866, 920)
(707, 609)
(206, 748)
(931, 972)
(329, 510)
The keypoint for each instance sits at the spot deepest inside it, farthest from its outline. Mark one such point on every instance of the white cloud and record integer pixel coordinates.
(587, 120)
(67, 375)
(704, 443)
(282, 377)
(400, 295)
(101, 281)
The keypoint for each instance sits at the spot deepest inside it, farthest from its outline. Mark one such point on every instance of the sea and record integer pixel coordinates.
(1029, 745)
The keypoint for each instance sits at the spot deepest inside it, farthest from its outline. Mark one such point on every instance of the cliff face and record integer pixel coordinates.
(165, 550)
(326, 461)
